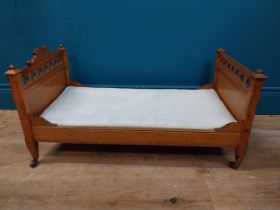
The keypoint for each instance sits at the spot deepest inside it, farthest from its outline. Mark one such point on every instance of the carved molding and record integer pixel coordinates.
(236, 71)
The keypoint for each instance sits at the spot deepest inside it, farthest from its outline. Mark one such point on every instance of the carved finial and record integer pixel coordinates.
(61, 46)
(34, 53)
(12, 70)
(259, 71)
(12, 67)
(221, 50)
(29, 62)
(40, 52)
(260, 74)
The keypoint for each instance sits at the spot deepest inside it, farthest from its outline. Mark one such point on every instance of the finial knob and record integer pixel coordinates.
(259, 71)
(260, 74)
(29, 62)
(12, 67)
(221, 50)
(12, 70)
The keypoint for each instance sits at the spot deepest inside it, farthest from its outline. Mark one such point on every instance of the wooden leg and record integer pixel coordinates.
(34, 163)
(34, 150)
(239, 155)
(240, 151)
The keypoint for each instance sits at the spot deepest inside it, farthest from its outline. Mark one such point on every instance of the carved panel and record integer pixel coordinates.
(42, 63)
(236, 71)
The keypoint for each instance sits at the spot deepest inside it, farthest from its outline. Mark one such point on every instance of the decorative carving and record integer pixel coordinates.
(32, 76)
(259, 71)
(247, 82)
(237, 72)
(234, 70)
(35, 69)
(242, 77)
(40, 72)
(221, 50)
(25, 80)
(45, 68)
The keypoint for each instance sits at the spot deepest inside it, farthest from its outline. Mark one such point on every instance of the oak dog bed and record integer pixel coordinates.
(53, 108)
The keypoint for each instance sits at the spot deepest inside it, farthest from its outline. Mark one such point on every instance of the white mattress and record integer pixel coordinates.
(145, 108)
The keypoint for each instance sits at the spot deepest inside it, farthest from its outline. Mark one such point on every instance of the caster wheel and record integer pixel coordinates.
(233, 165)
(34, 163)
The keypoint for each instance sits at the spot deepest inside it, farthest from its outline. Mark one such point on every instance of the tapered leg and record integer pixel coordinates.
(33, 148)
(240, 151)
(34, 163)
(239, 155)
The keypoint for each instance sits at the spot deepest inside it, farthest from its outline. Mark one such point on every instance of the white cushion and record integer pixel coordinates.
(143, 108)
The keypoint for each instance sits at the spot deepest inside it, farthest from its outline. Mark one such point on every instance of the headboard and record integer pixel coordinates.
(237, 86)
(43, 78)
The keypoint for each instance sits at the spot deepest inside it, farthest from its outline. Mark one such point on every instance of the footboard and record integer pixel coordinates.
(238, 87)
(240, 90)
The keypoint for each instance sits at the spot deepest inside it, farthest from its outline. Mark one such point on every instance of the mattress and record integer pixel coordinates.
(141, 108)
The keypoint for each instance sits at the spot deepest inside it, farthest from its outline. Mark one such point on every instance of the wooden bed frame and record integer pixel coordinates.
(45, 76)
